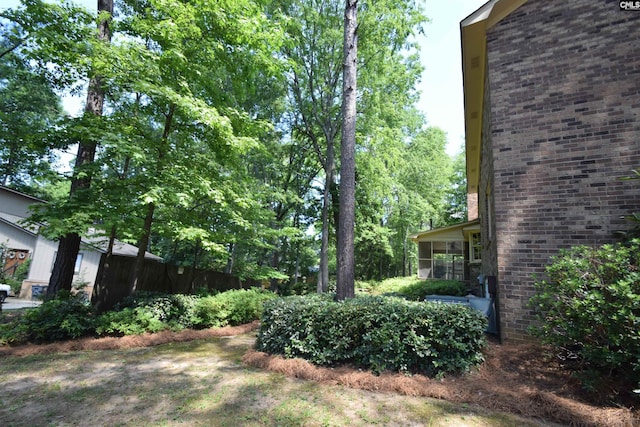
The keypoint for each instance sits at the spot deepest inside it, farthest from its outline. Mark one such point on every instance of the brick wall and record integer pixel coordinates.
(562, 126)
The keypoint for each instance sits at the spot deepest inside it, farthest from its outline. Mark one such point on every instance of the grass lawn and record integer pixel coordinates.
(202, 383)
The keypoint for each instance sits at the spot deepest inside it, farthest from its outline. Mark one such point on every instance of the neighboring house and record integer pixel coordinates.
(552, 105)
(450, 253)
(24, 242)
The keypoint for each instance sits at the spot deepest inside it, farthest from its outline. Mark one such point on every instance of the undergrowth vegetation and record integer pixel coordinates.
(412, 288)
(374, 332)
(68, 316)
(65, 317)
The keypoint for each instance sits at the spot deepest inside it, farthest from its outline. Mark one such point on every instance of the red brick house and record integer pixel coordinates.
(552, 105)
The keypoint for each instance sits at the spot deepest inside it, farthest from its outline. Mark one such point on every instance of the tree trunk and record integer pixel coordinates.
(323, 274)
(404, 252)
(100, 295)
(232, 254)
(346, 285)
(143, 243)
(69, 245)
(194, 266)
(64, 265)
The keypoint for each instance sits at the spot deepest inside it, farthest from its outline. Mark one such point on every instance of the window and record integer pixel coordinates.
(441, 260)
(424, 260)
(76, 268)
(475, 247)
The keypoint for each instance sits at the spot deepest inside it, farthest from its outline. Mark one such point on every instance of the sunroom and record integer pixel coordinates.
(449, 253)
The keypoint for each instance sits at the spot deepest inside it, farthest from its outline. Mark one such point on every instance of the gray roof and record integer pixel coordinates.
(119, 248)
(98, 242)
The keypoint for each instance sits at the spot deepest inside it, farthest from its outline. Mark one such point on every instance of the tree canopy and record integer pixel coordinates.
(219, 142)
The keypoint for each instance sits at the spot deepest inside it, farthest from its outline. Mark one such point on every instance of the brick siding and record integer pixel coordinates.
(561, 126)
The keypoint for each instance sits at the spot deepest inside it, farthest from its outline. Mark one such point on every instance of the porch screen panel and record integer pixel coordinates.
(440, 260)
(425, 266)
(456, 259)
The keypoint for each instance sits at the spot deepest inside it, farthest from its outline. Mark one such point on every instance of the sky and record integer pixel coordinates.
(441, 97)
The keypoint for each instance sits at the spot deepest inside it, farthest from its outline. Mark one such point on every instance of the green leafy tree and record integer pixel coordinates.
(456, 199)
(28, 108)
(387, 73)
(402, 182)
(57, 41)
(314, 50)
(187, 117)
(69, 243)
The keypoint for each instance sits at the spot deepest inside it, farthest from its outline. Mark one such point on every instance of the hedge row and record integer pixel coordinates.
(375, 332)
(69, 317)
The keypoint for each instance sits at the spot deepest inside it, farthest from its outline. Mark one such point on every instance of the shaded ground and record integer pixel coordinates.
(517, 379)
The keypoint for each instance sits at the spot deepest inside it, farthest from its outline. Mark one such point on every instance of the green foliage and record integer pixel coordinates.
(211, 312)
(233, 307)
(412, 288)
(589, 308)
(456, 199)
(129, 321)
(245, 305)
(65, 317)
(373, 251)
(634, 217)
(374, 332)
(147, 312)
(70, 317)
(27, 107)
(15, 281)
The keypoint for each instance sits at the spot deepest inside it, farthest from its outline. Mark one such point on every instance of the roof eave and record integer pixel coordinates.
(473, 40)
(463, 225)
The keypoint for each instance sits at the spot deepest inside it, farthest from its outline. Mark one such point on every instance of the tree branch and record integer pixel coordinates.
(11, 49)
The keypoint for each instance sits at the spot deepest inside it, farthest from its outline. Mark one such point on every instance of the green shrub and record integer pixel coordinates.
(245, 305)
(412, 288)
(210, 312)
(233, 307)
(419, 290)
(374, 332)
(147, 312)
(65, 317)
(589, 308)
(129, 321)
(160, 311)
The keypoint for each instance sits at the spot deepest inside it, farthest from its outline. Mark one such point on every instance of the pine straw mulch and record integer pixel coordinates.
(130, 341)
(520, 379)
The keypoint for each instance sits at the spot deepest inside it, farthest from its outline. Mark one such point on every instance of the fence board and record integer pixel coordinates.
(112, 283)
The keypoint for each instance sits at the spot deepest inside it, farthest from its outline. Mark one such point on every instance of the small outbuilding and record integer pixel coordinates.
(449, 253)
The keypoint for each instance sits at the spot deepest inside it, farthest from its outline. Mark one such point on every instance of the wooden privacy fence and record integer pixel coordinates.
(116, 272)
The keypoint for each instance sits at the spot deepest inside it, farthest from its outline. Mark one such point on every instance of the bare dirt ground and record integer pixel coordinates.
(518, 379)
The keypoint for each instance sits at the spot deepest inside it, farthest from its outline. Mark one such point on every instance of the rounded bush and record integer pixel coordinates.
(374, 332)
(589, 308)
(65, 317)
